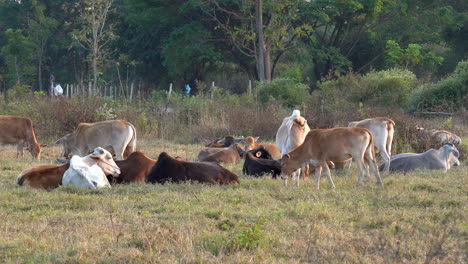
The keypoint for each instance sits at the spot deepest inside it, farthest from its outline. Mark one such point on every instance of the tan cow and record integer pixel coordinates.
(382, 130)
(441, 137)
(116, 135)
(337, 144)
(19, 130)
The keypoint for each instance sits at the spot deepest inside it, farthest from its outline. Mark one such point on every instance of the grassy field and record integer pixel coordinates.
(416, 218)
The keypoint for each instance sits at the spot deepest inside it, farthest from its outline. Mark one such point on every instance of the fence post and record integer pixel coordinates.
(131, 92)
(250, 87)
(170, 89)
(212, 86)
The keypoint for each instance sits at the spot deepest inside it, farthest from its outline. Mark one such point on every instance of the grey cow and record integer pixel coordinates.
(433, 159)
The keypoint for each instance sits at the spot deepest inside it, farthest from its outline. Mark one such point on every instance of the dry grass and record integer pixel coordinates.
(417, 218)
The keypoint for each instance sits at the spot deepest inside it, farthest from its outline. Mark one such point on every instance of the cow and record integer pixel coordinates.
(441, 137)
(336, 144)
(291, 134)
(116, 135)
(434, 159)
(168, 169)
(382, 130)
(133, 169)
(229, 155)
(47, 176)
(226, 142)
(90, 171)
(19, 130)
(251, 143)
(258, 162)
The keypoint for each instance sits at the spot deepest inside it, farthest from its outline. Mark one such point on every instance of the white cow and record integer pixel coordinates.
(291, 134)
(382, 130)
(90, 171)
(434, 159)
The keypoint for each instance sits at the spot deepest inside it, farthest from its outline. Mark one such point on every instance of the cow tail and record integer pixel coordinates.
(370, 146)
(390, 131)
(133, 140)
(21, 179)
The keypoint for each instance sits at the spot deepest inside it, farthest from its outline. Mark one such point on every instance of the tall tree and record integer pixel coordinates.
(95, 32)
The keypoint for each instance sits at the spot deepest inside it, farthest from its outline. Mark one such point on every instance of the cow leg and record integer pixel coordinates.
(318, 172)
(362, 171)
(327, 172)
(119, 151)
(20, 150)
(386, 159)
(375, 170)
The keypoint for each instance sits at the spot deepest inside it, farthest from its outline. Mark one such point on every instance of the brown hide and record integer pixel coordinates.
(43, 176)
(169, 169)
(230, 155)
(134, 168)
(19, 130)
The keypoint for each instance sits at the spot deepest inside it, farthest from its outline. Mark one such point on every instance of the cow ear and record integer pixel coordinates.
(287, 156)
(258, 154)
(62, 139)
(256, 138)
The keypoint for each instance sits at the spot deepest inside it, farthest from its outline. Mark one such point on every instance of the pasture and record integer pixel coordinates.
(418, 218)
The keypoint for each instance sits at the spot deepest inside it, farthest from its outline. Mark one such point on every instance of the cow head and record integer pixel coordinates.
(104, 160)
(288, 166)
(249, 143)
(35, 149)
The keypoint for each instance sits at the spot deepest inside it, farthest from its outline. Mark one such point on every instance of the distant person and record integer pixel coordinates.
(187, 89)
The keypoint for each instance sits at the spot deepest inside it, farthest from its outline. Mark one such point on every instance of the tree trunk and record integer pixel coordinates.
(267, 59)
(261, 47)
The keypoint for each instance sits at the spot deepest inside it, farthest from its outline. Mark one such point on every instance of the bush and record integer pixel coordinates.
(450, 94)
(353, 92)
(289, 91)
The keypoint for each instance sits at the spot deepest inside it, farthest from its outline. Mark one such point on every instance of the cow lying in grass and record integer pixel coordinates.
(336, 144)
(90, 171)
(434, 159)
(259, 162)
(229, 155)
(168, 169)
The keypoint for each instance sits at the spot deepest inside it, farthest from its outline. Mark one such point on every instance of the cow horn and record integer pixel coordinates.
(62, 139)
(287, 156)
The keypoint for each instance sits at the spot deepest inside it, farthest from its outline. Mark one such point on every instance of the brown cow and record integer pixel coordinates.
(43, 176)
(19, 130)
(251, 143)
(228, 141)
(230, 155)
(336, 144)
(169, 169)
(134, 168)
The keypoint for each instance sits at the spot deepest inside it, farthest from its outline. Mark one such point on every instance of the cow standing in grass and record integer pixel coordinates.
(19, 130)
(337, 144)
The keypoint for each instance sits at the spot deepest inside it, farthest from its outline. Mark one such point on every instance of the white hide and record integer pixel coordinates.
(85, 172)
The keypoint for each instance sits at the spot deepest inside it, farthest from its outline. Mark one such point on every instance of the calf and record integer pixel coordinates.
(169, 169)
(336, 144)
(134, 168)
(259, 162)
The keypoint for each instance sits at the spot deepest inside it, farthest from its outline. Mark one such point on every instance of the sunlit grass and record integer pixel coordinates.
(415, 218)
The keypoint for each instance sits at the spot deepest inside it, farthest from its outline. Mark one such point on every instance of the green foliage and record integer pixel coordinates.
(288, 91)
(450, 94)
(413, 55)
(18, 54)
(390, 88)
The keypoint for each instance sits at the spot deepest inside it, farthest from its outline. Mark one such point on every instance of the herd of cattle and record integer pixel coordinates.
(97, 154)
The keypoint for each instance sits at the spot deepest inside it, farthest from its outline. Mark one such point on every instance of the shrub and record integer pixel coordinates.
(450, 94)
(289, 91)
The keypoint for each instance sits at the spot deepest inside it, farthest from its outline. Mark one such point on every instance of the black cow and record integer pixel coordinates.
(259, 162)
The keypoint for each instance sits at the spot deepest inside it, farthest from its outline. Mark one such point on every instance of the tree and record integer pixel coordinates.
(18, 54)
(95, 33)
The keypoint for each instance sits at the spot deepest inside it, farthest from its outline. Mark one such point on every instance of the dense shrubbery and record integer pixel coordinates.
(389, 88)
(450, 94)
(289, 91)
